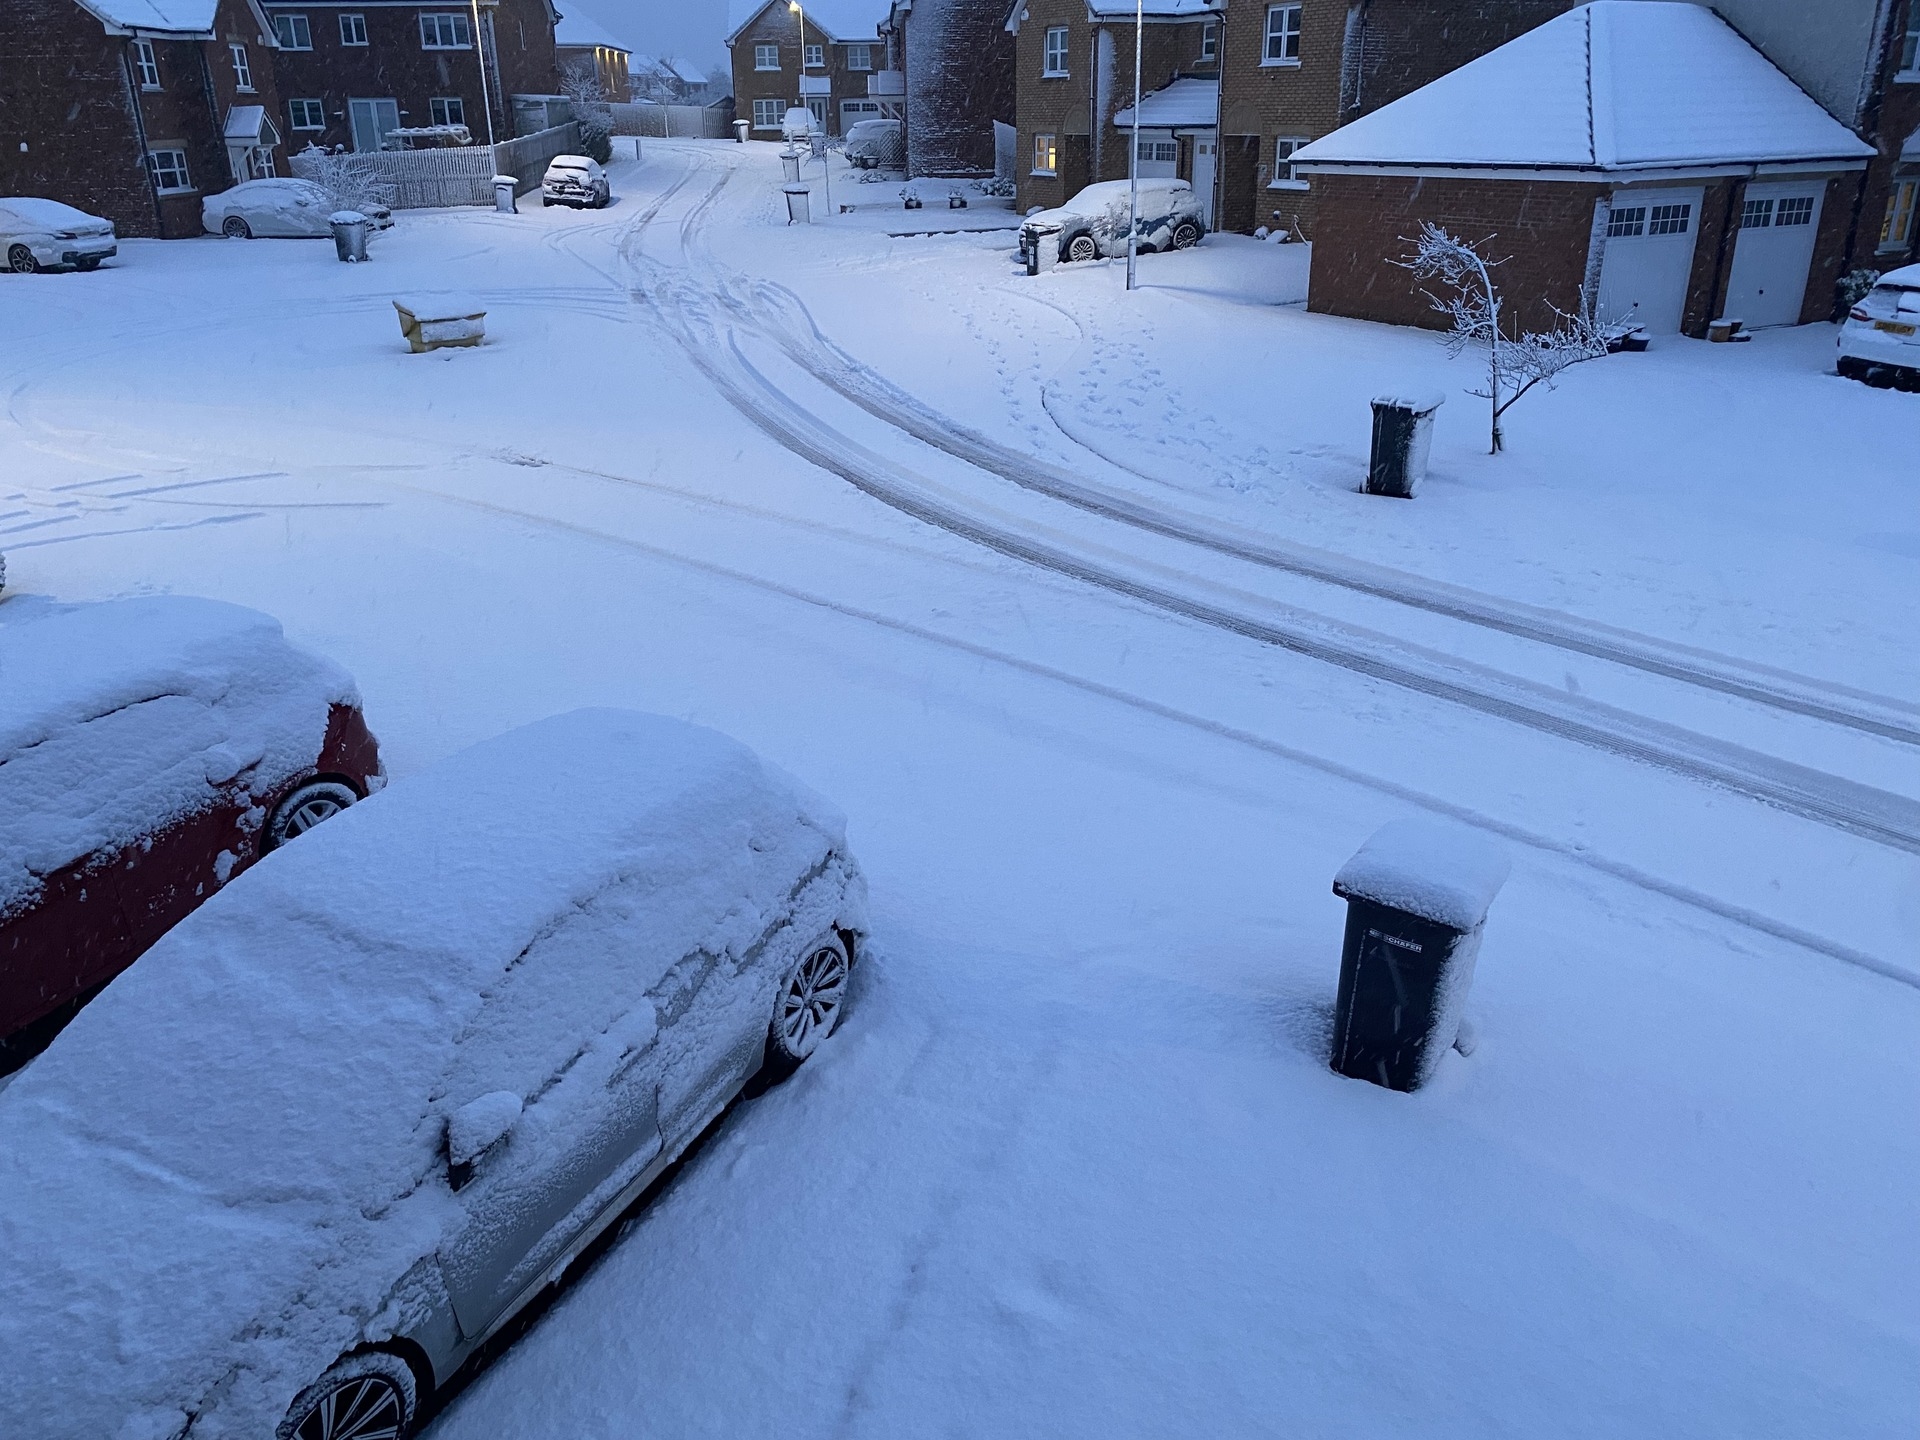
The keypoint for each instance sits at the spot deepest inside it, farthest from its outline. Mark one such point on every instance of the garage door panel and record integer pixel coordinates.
(1649, 257)
(1773, 253)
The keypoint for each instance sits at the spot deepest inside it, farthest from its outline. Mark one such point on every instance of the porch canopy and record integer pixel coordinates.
(247, 125)
(1184, 105)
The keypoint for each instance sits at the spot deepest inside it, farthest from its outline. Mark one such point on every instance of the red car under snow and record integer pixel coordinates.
(150, 750)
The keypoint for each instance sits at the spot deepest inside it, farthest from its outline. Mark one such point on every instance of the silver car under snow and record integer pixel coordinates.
(1094, 223)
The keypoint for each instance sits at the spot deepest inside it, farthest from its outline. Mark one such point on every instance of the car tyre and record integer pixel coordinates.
(20, 258)
(305, 807)
(89, 264)
(1186, 235)
(236, 228)
(1081, 247)
(370, 1396)
(813, 997)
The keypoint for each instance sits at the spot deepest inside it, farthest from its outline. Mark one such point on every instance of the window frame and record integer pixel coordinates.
(1210, 40)
(438, 112)
(1288, 36)
(1790, 212)
(242, 67)
(1756, 214)
(353, 24)
(1050, 53)
(443, 21)
(1049, 142)
(1290, 180)
(779, 112)
(812, 56)
(185, 187)
(1665, 217)
(1908, 70)
(865, 52)
(292, 22)
(297, 106)
(146, 61)
(1902, 201)
(1627, 222)
(760, 53)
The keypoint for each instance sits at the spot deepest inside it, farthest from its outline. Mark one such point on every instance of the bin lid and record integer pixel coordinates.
(1421, 402)
(796, 189)
(346, 217)
(1439, 871)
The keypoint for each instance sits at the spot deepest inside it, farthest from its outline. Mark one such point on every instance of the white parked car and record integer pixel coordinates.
(1880, 339)
(876, 145)
(342, 1123)
(575, 180)
(1094, 222)
(282, 209)
(798, 124)
(38, 234)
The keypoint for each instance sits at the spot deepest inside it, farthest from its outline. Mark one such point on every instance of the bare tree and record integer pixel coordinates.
(347, 178)
(1514, 366)
(591, 109)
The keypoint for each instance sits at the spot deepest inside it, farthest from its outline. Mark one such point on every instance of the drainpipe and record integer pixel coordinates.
(140, 135)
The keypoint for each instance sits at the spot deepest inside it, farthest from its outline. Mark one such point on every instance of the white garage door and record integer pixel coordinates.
(1770, 259)
(1649, 256)
(852, 112)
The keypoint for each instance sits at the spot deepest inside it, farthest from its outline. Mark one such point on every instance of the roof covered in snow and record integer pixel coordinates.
(1182, 104)
(579, 28)
(1613, 85)
(856, 20)
(163, 17)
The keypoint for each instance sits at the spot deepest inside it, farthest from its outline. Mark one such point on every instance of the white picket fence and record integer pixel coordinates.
(678, 122)
(460, 175)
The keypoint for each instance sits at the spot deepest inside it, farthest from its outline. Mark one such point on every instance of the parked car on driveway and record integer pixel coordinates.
(876, 145)
(797, 123)
(1880, 338)
(150, 750)
(1094, 222)
(279, 209)
(575, 180)
(38, 234)
(349, 1117)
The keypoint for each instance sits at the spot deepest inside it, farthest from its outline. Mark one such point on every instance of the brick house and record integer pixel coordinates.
(828, 55)
(582, 45)
(1601, 183)
(956, 62)
(135, 111)
(351, 72)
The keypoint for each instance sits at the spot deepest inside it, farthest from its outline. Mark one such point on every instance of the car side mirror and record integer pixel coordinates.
(475, 1129)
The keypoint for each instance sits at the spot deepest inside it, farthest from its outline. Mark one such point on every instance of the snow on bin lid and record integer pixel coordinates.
(1416, 400)
(346, 217)
(1444, 873)
(440, 307)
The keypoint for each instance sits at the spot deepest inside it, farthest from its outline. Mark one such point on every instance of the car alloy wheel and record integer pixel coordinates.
(22, 261)
(1081, 247)
(372, 1396)
(235, 228)
(1186, 235)
(810, 1005)
(305, 808)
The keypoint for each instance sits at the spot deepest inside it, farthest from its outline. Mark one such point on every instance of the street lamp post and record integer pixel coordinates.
(825, 173)
(1133, 162)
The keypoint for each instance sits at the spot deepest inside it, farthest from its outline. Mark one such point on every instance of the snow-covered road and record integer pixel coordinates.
(1075, 1165)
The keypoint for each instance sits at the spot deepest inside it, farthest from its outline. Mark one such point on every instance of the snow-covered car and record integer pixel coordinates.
(279, 209)
(1880, 338)
(797, 124)
(150, 750)
(876, 145)
(1094, 222)
(38, 234)
(347, 1119)
(576, 180)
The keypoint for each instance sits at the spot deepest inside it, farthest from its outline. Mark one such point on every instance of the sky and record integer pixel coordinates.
(684, 29)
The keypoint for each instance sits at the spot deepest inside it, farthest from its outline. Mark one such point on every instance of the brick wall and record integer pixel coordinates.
(1891, 119)
(779, 26)
(1057, 106)
(959, 63)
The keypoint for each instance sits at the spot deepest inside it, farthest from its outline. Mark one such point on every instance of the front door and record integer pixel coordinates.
(1649, 258)
(1768, 283)
(1204, 147)
(373, 121)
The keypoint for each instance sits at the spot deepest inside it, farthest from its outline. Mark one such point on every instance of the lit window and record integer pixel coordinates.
(1283, 35)
(293, 32)
(766, 57)
(307, 114)
(445, 32)
(859, 57)
(353, 29)
(1626, 222)
(447, 110)
(242, 71)
(816, 55)
(169, 169)
(1897, 229)
(767, 113)
(1054, 56)
(1046, 155)
(1210, 40)
(146, 64)
(1669, 219)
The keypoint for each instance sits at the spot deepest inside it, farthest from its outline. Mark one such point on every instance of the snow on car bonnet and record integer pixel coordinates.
(50, 214)
(1444, 873)
(211, 1179)
(117, 718)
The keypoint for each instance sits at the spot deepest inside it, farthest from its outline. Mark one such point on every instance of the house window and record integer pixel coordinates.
(1910, 46)
(859, 57)
(147, 66)
(169, 169)
(1210, 40)
(293, 32)
(1756, 214)
(1284, 176)
(307, 114)
(766, 57)
(816, 55)
(1046, 155)
(447, 110)
(767, 113)
(1283, 35)
(353, 29)
(1669, 219)
(242, 71)
(445, 32)
(1159, 152)
(1794, 210)
(1054, 55)
(1897, 229)
(1627, 222)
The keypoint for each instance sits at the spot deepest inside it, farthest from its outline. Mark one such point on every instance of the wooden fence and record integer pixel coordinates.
(459, 175)
(676, 122)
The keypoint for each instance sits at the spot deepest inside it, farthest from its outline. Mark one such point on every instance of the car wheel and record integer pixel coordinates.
(810, 1005)
(373, 1396)
(1186, 235)
(235, 228)
(92, 262)
(1081, 247)
(22, 261)
(305, 808)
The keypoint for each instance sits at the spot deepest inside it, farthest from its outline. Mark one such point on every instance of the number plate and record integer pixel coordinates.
(1893, 327)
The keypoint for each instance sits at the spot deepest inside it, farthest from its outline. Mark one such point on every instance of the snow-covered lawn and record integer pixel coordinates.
(1075, 1165)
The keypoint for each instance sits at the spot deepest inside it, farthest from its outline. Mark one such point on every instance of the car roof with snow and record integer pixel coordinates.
(219, 1168)
(1103, 192)
(571, 162)
(51, 213)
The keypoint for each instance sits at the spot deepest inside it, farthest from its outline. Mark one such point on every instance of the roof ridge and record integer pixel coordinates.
(1593, 152)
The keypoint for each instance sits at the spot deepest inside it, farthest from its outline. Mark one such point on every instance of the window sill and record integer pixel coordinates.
(1043, 174)
(1056, 74)
(149, 89)
(175, 194)
(1906, 77)
(1288, 185)
(245, 90)
(1279, 64)
(1893, 248)
(766, 69)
